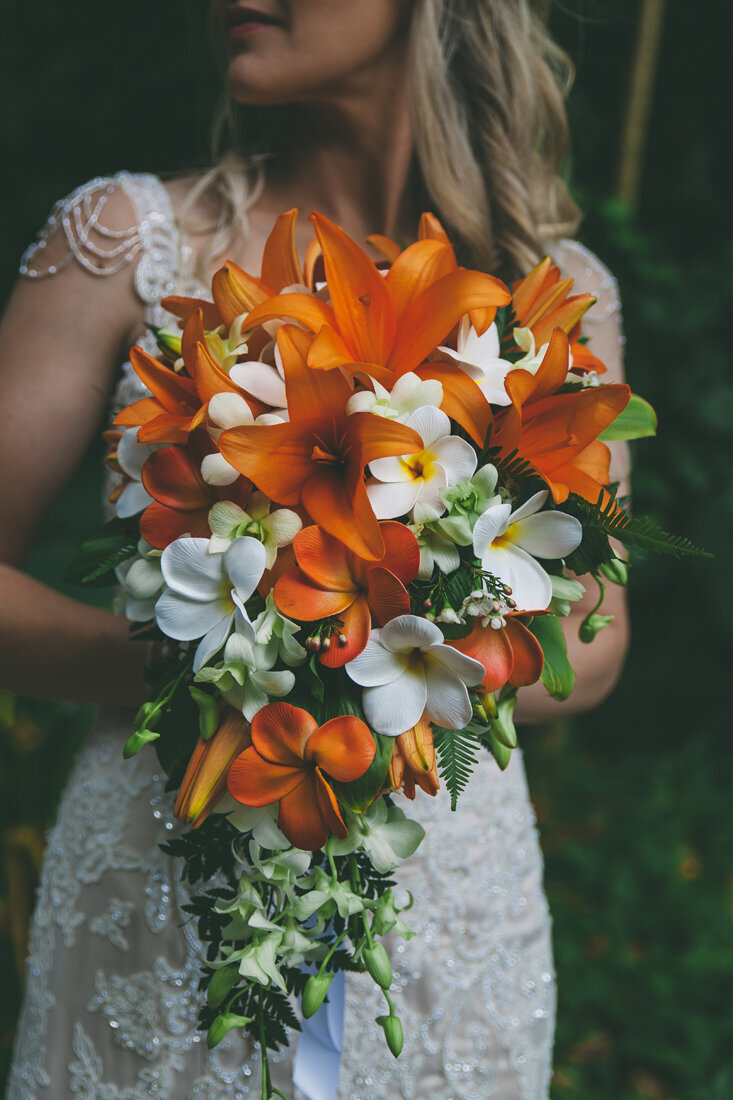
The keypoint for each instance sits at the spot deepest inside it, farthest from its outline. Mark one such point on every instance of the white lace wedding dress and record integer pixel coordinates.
(111, 998)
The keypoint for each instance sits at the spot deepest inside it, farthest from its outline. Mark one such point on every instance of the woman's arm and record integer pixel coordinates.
(61, 340)
(597, 664)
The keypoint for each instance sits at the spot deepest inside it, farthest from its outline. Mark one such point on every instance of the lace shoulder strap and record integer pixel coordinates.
(153, 241)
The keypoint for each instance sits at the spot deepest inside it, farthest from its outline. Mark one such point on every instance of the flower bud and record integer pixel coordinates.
(222, 1025)
(392, 1027)
(591, 626)
(314, 993)
(205, 780)
(502, 726)
(377, 963)
(500, 752)
(221, 984)
(209, 707)
(615, 571)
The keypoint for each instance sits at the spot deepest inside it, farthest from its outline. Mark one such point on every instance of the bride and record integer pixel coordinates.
(370, 111)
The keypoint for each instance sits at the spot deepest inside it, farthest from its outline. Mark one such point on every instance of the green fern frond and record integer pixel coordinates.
(456, 751)
(639, 534)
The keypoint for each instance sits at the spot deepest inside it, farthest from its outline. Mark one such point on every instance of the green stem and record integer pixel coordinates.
(390, 1005)
(266, 1084)
(334, 947)
(367, 929)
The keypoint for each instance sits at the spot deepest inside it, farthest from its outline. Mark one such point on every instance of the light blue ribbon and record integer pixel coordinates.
(320, 1045)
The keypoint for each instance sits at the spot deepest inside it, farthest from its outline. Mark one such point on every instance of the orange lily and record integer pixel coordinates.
(558, 433)
(511, 655)
(318, 458)
(542, 302)
(286, 763)
(384, 326)
(173, 410)
(205, 780)
(332, 580)
(181, 498)
(235, 291)
(413, 761)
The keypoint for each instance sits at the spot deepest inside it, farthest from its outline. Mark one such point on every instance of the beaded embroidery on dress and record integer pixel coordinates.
(111, 997)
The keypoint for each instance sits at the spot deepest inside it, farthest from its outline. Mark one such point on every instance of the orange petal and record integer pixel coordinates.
(183, 308)
(324, 560)
(256, 782)
(401, 550)
(385, 246)
(280, 262)
(170, 476)
(280, 732)
(166, 428)
(304, 308)
(357, 622)
(300, 817)
(299, 598)
(430, 317)
(528, 658)
(553, 370)
(276, 457)
(415, 269)
(373, 437)
(343, 747)
(313, 254)
(209, 377)
(343, 511)
(429, 228)
(563, 425)
(236, 292)
(526, 290)
(310, 393)
(206, 776)
(463, 401)
(493, 649)
(328, 350)
(387, 595)
(193, 333)
(361, 302)
(139, 412)
(160, 525)
(172, 391)
(565, 317)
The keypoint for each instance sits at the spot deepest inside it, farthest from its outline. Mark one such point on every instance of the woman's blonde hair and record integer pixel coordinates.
(487, 88)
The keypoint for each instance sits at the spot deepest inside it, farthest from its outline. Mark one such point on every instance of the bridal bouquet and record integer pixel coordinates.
(350, 517)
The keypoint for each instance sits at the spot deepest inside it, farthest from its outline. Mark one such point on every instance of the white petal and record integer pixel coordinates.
(189, 568)
(144, 580)
(133, 499)
(530, 584)
(391, 499)
(447, 701)
(185, 619)
(362, 401)
(240, 648)
(394, 708)
(230, 410)
(548, 535)
(253, 700)
(274, 683)
(492, 384)
(391, 469)
(139, 611)
(530, 506)
(212, 642)
(489, 525)
(375, 665)
(465, 668)
(132, 455)
(282, 526)
(408, 632)
(457, 457)
(429, 505)
(429, 423)
(261, 380)
(445, 555)
(244, 561)
(215, 470)
(224, 516)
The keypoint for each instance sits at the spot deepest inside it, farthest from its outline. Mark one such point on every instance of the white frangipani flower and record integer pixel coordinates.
(244, 676)
(407, 670)
(229, 410)
(131, 456)
(142, 582)
(409, 393)
(207, 592)
(413, 482)
(274, 529)
(509, 542)
(480, 358)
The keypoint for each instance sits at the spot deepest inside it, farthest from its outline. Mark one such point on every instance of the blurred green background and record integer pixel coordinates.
(633, 801)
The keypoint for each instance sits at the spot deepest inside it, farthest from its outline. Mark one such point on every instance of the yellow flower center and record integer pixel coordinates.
(507, 539)
(418, 465)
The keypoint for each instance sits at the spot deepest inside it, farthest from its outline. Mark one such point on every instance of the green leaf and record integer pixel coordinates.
(457, 757)
(641, 534)
(558, 675)
(637, 421)
(362, 792)
(97, 558)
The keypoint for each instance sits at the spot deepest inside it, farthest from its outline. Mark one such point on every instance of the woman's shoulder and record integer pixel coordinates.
(110, 223)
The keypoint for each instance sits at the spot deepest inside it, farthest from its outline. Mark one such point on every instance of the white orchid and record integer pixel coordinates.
(407, 670)
(480, 358)
(435, 549)
(385, 833)
(141, 580)
(261, 821)
(244, 675)
(131, 457)
(228, 521)
(207, 592)
(509, 543)
(413, 482)
(409, 393)
(275, 635)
